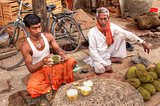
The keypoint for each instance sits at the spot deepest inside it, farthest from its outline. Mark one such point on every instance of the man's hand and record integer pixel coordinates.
(46, 60)
(64, 57)
(109, 69)
(146, 48)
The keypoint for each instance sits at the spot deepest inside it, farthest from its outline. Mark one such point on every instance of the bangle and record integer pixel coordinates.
(143, 42)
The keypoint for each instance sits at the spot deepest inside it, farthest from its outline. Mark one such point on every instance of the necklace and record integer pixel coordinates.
(38, 45)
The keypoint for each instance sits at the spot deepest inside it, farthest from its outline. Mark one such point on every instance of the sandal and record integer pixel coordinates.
(129, 47)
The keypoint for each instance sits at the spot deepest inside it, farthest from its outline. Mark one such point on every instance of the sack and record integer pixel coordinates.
(4, 40)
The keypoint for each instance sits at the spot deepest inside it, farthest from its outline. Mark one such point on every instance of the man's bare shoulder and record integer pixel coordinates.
(47, 34)
(25, 46)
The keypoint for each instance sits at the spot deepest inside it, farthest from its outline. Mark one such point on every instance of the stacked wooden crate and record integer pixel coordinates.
(9, 10)
(58, 9)
(58, 4)
(1, 17)
(113, 7)
(26, 8)
(113, 12)
(9, 13)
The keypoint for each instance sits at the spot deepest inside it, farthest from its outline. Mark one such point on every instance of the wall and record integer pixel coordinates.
(137, 7)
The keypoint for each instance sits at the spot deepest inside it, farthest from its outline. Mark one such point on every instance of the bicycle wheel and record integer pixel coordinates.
(10, 55)
(67, 36)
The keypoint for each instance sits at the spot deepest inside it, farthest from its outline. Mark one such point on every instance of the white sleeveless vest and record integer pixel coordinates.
(39, 55)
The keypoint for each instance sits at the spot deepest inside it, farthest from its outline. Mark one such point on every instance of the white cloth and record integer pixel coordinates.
(39, 55)
(99, 50)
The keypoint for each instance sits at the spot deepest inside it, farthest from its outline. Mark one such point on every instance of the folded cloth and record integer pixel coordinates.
(129, 47)
(39, 82)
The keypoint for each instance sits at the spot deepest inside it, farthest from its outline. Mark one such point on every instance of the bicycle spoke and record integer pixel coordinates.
(62, 23)
(68, 37)
(65, 23)
(59, 26)
(73, 45)
(74, 41)
(61, 42)
(60, 35)
(11, 60)
(10, 55)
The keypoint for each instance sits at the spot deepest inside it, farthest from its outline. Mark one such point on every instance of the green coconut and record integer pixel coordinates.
(135, 82)
(153, 74)
(55, 59)
(140, 65)
(145, 94)
(149, 87)
(156, 84)
(143, 75)
(131, 73)
(151, 69)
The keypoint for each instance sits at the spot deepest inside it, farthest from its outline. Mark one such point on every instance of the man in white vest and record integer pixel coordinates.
(36, 53)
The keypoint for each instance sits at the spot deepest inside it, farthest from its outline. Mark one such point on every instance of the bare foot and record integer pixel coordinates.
(115, 60)
(109, 69)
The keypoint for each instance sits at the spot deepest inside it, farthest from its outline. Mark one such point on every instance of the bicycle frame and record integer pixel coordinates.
(18, 26)
(54, 16)
(58, 15)
(18, 21)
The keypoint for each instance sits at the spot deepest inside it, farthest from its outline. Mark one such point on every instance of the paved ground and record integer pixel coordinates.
(15, 76)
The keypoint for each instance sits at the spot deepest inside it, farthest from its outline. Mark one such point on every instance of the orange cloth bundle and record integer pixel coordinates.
(107, 30)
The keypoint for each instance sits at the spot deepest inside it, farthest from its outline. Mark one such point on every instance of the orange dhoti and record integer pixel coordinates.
(39, 82)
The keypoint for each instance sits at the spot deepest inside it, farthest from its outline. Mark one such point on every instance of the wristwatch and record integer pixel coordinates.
(143, 42)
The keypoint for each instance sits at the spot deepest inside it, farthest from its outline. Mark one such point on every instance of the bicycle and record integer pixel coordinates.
(66, 31)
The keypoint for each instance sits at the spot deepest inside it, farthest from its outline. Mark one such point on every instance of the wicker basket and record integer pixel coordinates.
(5, 41)
(105, 92)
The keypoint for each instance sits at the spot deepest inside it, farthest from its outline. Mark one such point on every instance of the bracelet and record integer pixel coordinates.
(143, 42)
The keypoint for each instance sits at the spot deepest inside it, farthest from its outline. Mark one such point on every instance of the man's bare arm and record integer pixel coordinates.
(145, 47)
(26, 52)
(56, 46)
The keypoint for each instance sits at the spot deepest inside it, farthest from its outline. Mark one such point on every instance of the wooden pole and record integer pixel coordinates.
(39, 8)
(122, 8)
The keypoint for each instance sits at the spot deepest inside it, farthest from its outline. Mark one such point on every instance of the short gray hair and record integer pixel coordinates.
(102, 10)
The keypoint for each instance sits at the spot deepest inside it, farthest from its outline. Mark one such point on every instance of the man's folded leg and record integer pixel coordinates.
(39, 82)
